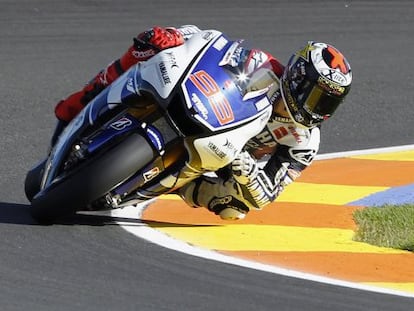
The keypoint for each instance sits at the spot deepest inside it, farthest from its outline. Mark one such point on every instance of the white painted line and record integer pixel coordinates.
(345, 154)
(143, 231)
(157, 237)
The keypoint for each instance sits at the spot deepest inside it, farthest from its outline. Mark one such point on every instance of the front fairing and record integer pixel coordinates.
(114, 97)
(227, 95)
(63, 145)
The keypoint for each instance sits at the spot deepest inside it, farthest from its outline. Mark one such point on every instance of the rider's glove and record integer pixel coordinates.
(150, 42)
(282, 176)
(146, 45)
(262, 189)
(286, 175)
(244, 168)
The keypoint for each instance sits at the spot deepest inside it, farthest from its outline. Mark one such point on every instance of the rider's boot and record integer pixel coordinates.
(141, 50)
(67, 109)
(223, 198)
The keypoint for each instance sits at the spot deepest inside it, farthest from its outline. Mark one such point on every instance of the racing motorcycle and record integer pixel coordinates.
(185, 112)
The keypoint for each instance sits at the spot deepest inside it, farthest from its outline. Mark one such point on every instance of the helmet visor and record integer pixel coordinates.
(315, 101)
(307, 103)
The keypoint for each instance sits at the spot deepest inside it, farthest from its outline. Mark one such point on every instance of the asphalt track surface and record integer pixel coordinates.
(49, 48)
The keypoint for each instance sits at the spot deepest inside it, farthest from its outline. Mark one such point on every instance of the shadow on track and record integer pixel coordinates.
(14, 213)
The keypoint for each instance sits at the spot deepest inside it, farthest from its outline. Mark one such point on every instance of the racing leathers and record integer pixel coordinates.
(285, 150)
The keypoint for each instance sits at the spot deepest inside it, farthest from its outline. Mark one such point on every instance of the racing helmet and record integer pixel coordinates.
(314, 83)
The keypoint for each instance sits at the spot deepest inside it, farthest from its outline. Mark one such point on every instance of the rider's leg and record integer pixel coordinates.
(220, 196)
(145, 45)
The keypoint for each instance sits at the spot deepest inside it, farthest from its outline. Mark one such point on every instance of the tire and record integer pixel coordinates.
(33, 180)
(91, 180)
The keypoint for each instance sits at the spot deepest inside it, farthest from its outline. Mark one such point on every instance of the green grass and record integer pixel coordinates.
(387, 225)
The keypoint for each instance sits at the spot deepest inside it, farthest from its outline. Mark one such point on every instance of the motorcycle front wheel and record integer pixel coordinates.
(33, 180)
(91, 180)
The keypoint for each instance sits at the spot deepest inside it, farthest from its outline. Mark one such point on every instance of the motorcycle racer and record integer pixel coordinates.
(315, 81)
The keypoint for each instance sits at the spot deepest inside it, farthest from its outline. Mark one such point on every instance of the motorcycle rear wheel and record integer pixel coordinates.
(92, 180)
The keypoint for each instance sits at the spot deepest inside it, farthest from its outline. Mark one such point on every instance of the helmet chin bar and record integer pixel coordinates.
(294, 120)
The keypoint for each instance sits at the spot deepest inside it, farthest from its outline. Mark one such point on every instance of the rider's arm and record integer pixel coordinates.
(262, 186)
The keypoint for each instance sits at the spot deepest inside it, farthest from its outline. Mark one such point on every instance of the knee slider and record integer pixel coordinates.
(228, 207)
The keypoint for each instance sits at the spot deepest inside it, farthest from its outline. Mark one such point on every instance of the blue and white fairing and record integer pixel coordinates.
(215, 95)
(210, 88)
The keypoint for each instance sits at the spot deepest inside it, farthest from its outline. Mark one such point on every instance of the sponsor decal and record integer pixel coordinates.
(155, 138)
(199, 105)
(295, 134)
(172, 60)
(230, 147)
(130, 86)
(164, 73)
(143, 54)
(330, 86)
(281, 119)
(257, 59)
(148, 175)
(121, 124)
(216, 150)
(229, 53)
(334, 76)
(289, 99)
(275, 96)
(301, 65)
(208, 35)
(188, 30)
(236, 58)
